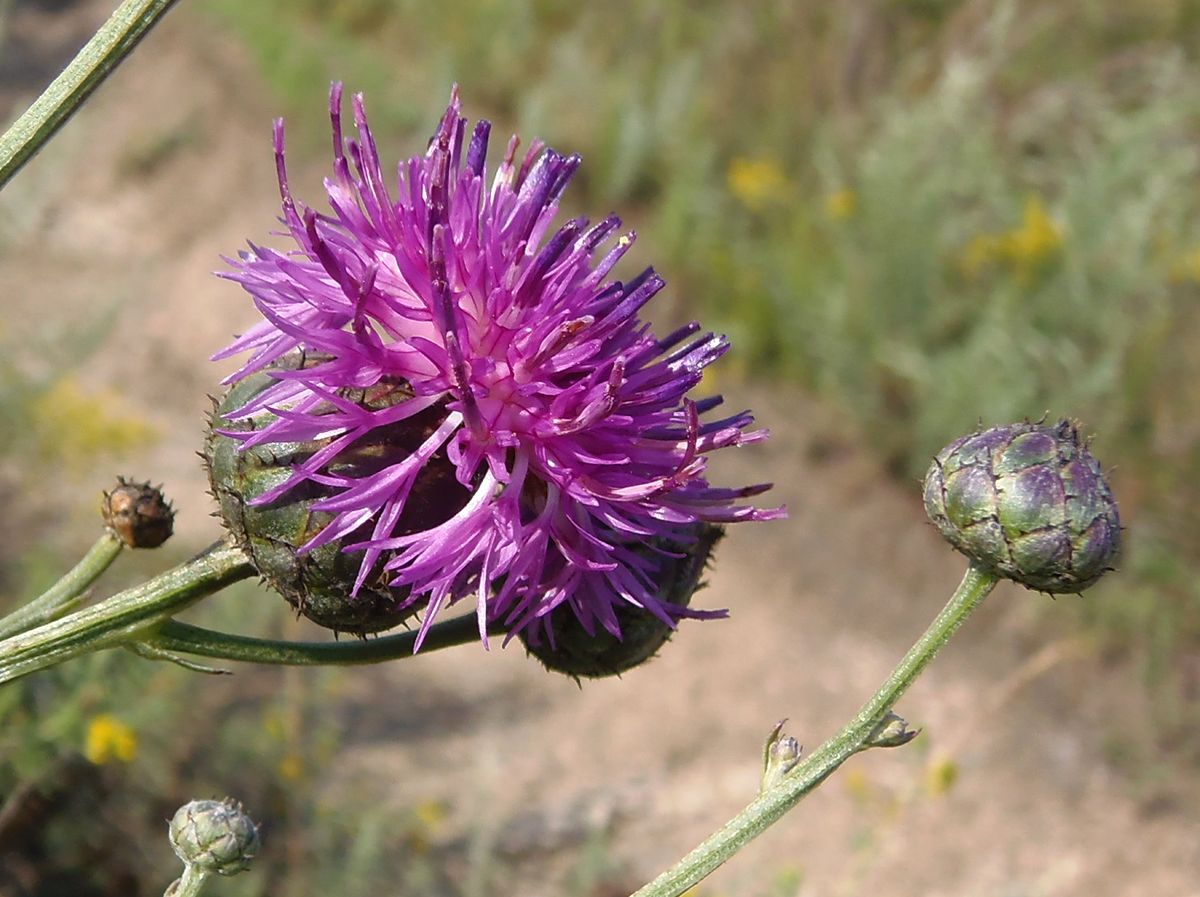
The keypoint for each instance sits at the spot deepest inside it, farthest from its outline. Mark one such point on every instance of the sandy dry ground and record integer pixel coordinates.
(823, 604)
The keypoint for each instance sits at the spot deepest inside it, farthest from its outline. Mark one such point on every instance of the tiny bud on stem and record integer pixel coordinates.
(138, 513)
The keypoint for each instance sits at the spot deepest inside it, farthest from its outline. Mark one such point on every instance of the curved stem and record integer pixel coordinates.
(124, 615)
(807, 775)
(189, 884)
(99, 57)
(59, 598)
(174, 636)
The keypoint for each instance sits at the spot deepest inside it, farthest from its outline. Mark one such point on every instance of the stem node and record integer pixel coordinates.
(786, 791)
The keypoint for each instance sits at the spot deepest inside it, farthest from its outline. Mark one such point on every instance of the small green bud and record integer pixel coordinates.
(577, 652)
(892, 731)
(214, 836)
(781, 753)
(318, 582)
(138, 513)
(1027, 502)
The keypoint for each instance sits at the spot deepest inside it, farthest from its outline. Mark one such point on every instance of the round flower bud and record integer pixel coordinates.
(138, 513)
(214, 836)
(1027, 502)
(319, 582)
(567, 646)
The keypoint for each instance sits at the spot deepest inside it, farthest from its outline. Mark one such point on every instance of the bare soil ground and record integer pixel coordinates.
(149, 185)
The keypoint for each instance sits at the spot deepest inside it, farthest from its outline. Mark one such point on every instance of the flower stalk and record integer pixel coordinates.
(189, 884)
(122, 617)
(788, 791)
(96, 61)
(183, 638)
(68, 592)
(140, 618)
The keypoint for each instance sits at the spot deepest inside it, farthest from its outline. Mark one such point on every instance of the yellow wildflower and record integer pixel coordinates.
(109, 739)
(755, 182)
(1186, 267)
(1035, 242)
(427, 818)
(858, 786)
(273, 724)
(983, 251)
(1025, 250)
(291, 767)
(841, 204)
(74, 425)
(940, 776)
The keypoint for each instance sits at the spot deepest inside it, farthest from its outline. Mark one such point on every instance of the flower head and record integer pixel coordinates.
(442, 322)
(214, 836)
(1028, 502)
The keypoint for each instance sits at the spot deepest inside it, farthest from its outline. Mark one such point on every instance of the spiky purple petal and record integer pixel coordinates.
(566, 420)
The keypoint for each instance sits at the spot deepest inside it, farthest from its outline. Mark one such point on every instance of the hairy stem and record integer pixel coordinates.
(177, 637)
(122, 617)
(96, 61)
(189, 884)
(807, 775)
(61, 596)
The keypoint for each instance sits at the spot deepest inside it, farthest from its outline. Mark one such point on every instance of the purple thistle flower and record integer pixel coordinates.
(565, 420)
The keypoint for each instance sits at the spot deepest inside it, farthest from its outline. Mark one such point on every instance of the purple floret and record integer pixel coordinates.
(565, 419)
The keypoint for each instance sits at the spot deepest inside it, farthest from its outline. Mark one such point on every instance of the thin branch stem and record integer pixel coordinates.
(61, 596)
(177, 637)
(122, 617)
(807, 775)
(96, 61)
(189, 884)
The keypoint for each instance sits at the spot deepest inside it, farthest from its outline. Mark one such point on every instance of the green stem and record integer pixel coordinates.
(123, 616)
(96, 61)
(174, 636)
(189, 884)
(807, 775)
(63, 594)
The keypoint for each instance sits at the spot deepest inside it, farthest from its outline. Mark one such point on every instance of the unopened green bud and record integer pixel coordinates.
(892, 731)
(1027, 502)
(317, 583)
(781, 754)
(577, 652)
(138, 513)
(214, 836)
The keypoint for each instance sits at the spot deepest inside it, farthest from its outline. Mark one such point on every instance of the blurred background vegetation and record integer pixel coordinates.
(928, 213)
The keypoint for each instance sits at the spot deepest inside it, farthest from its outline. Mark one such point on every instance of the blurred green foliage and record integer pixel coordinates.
(93, 762)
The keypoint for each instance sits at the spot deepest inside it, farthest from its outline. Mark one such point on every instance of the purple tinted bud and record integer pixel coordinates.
(633, 635)
(1027, 502)
(318, 582)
